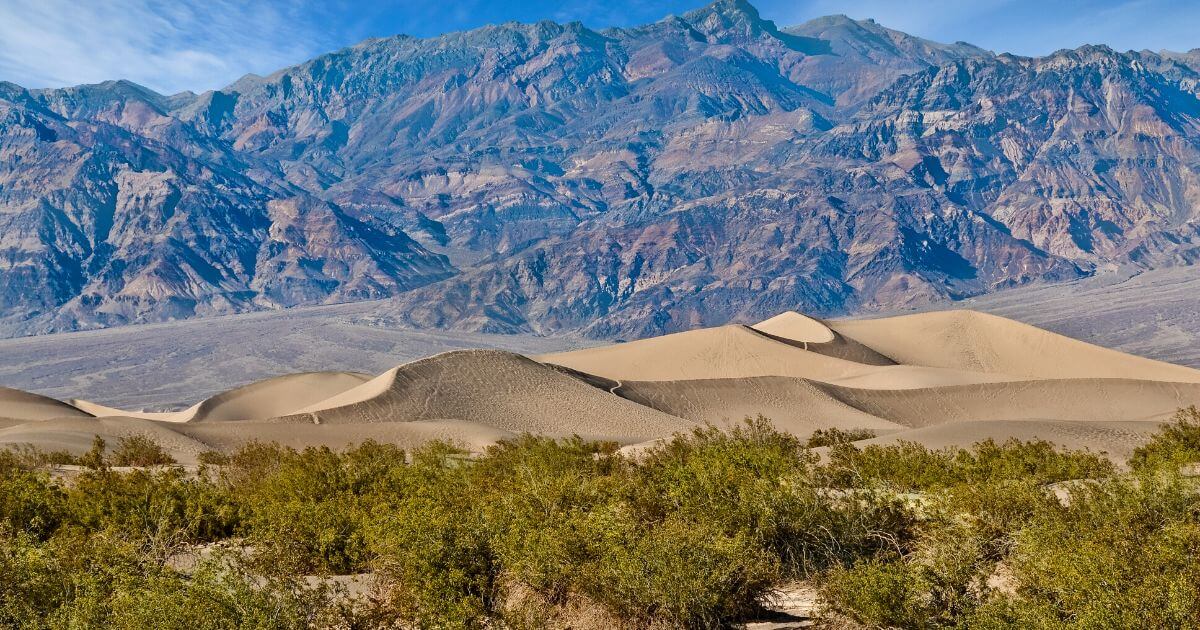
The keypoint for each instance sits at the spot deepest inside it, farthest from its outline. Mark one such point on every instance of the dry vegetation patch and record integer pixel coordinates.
(700, 531)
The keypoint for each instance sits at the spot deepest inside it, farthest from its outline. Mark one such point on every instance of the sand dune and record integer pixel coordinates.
(1074, 400)
(792, 404)
(800, 330)
(937, 378)
(497, 389)
(76, 435)
(796, 327)
(18, 405)
(263, 399)
(229, 436)
(742, 352)
(969, 340)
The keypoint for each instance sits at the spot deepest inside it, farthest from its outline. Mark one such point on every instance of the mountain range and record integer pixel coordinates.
(549, 178)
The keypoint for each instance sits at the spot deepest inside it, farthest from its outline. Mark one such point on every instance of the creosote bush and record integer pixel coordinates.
(834, 435)
(694, 533)
(140, 450)
(1178, 443)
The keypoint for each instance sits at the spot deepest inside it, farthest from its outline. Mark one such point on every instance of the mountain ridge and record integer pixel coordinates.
(551, 178)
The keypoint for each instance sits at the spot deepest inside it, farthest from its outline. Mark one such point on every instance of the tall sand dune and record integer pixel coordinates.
(497, 389)
(796, 327)
(741, 352)
(793, 404)
(969, 340)
(1074, 400)
(18, 405)
(262, 399)
(813, 335)
(938, 378)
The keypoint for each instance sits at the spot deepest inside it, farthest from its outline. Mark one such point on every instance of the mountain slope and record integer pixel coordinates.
(549, 177)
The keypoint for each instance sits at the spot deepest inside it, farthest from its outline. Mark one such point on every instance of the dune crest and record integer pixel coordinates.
(736, 351)
(18, 405)
(947, 378)
(796, 327)
(970, 340)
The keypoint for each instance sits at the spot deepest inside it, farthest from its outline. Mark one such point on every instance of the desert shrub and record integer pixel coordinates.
(28, 457)
(991, 512)
(750, 481)
(834, 435)
(212, 458)
(431, 548)
(911, 466)
(684, 574)
(305, 511)
(1177, 443)
(1121, 554)
(878, 592)
(940, 574)
(226, 594)
(692, 533)
(94, 458)
(140, 450)
(78, 580)
(157, 510)
(545, 507)
(936, 583)
(973, 505)
(29, 502)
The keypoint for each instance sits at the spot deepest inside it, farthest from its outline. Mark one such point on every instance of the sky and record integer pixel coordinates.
(171, 46)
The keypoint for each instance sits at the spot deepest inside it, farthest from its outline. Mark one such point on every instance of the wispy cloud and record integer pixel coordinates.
(167, 46)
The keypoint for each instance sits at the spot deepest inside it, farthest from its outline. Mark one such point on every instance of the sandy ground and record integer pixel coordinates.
(1151, 314)
(939, 378)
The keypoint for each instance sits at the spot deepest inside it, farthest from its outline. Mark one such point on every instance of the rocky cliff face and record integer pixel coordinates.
(550, 177)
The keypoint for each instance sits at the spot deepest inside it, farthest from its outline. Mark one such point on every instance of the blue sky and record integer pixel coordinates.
(202, 44)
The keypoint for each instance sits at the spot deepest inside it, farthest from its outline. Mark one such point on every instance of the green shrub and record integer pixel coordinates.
(29, 502)
(878, 592)
(157, 510)
(911, 466)
(1175, 444)
(692, 533)
(95, 458)
(833, 435)
(305, 511)
(683, 573)
(545, 504)
(1121, 554)
(27, 457)
(140, 450)
(938, 583)
(432, 550)
(212, 458)
(96, 581)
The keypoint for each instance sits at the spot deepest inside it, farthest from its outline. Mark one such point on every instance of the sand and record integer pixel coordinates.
(741, 352)
(943, 378)
(497, 389)
(18, 405)
(969, 340)
(795, 405)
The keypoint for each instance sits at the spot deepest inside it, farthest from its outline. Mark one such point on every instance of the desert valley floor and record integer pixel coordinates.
(939, 378)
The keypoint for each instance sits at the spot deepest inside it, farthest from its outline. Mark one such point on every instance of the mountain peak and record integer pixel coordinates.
(729, 20)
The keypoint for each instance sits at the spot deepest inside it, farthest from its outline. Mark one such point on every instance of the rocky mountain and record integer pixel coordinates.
(549, 177)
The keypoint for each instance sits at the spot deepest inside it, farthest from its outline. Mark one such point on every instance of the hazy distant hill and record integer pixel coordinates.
(549, 177)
